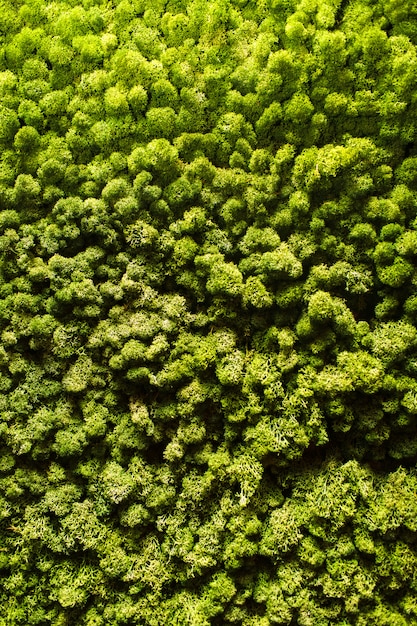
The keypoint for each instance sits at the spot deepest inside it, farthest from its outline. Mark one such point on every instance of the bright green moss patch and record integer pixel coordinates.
(208, 347)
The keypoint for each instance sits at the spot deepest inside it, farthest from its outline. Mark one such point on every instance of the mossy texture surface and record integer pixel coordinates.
(208, 299)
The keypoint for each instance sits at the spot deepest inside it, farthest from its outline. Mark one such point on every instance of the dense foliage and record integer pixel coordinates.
(208, 294)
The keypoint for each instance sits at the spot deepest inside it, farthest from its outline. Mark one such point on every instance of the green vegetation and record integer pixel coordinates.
(208, 295)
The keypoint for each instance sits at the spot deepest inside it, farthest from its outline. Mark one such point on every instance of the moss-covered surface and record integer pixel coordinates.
(208, 294)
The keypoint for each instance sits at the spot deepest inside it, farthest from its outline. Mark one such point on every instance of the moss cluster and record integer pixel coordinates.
(208, 293)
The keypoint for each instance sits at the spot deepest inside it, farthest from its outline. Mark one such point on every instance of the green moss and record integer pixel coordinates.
(207, 313)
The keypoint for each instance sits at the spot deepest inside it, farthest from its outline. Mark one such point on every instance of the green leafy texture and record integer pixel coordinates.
(208, 355)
